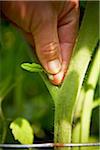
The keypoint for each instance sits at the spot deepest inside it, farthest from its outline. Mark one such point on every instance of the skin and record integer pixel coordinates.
(50, 27)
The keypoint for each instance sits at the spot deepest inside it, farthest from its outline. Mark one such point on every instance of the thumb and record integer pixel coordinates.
(47, 45)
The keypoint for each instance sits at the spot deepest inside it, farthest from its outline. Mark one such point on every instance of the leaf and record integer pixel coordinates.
(22, 131)
(32, 67)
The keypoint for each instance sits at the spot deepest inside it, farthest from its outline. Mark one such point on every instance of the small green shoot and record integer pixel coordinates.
(32, 67)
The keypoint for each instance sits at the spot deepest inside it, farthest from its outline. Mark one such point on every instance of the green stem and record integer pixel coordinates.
(77, 129)
(96, 103)
(76, 135)
(87, 107)
(66, 96)
(53, 90)
(77, 123)
(18, 93)
(18, 90)
(78, 108)
(4, 131)
(70, 89)
(3, 124)
(5, 89)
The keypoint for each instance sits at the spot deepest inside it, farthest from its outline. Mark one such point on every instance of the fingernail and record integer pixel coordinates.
(54, 66)
(50, 76)
(58, 78)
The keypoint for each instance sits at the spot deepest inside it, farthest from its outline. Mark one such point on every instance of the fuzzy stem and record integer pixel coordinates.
(53, 90)
(70, 89)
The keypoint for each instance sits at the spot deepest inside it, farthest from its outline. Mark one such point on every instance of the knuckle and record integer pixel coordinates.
(50, 51)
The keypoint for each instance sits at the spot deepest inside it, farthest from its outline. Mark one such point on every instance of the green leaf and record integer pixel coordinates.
(22, 131)
(32, 67)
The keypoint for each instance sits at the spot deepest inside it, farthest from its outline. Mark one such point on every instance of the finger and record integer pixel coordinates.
(57, 79)
(47, 44)
(18, 12)
(67, 32)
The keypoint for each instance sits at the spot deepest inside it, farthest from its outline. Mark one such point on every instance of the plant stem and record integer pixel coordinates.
(96, 103)
(77, 123)
(53, 90)
(6, 87)
(76, 135)
(87, 107)
(78, 108)
(70, 89)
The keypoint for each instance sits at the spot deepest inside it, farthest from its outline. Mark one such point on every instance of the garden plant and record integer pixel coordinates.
(73, 101)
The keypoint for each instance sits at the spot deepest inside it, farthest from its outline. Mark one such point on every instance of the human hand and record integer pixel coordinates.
(50, 27)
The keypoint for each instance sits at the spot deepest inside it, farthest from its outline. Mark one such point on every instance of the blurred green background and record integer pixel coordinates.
(22, 94)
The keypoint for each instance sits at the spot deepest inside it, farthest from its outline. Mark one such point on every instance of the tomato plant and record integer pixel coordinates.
(66, 97)
(74, 101)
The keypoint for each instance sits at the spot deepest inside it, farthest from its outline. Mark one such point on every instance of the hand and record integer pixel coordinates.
(51, 27)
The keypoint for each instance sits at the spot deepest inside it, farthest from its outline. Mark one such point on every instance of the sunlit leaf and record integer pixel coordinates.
(32, 67)
(22, 131)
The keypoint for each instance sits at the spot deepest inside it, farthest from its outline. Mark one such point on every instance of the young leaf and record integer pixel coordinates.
(32, 67)
(22, 131)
